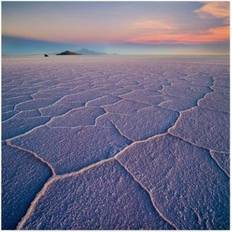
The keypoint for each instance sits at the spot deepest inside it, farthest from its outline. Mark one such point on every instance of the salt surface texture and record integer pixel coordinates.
(111, 142)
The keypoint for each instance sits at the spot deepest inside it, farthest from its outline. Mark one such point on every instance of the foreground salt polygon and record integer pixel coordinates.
(115, 143)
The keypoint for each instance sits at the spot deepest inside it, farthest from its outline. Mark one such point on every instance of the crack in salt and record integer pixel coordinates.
(55, 177)
(34, 155)
(218, 164)
(148, 192)
(46, 186)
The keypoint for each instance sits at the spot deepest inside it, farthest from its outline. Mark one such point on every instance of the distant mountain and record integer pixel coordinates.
(68, 53)
(86, 51)
(83, 51)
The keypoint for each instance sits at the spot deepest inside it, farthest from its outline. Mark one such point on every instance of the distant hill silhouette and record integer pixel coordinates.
(86, 51)
(82, 51)
(68, 53)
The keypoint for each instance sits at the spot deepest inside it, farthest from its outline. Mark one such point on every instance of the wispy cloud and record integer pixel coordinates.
(215, 9)
(156, 31)
(152, 25)
(215, 34)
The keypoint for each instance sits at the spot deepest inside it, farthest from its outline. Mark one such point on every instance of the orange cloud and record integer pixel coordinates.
(152, 25)
(215, 9)
(217, 34)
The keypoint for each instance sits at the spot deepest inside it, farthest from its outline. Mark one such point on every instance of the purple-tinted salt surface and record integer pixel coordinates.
(185, 184)
(115, 143)
(144, 96)
(223, 160)
(22, 177)
(145, 123)
(204, 128)
(125, 107)
(20, 124)
(103, 197)
(77, 117)
(105, 100)
(70, 149)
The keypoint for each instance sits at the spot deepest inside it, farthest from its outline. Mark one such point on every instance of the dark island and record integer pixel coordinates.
(68, 53)
(85, 51)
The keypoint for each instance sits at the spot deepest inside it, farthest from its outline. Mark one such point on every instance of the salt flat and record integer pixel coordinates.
(115, 142)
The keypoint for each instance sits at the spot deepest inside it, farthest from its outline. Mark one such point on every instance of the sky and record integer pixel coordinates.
(172, 28)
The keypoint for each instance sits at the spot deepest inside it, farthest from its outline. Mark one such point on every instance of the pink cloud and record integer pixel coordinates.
(152, 25)
(215, 9)
(215, 34)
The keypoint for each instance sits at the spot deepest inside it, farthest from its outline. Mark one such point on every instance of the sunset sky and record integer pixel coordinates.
(117, 27)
